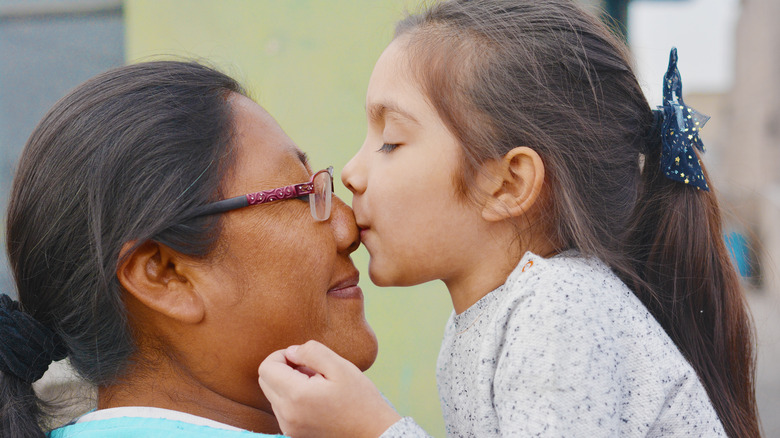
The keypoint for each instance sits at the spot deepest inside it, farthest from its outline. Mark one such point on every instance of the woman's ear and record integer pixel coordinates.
(160, 279)
(513, 184)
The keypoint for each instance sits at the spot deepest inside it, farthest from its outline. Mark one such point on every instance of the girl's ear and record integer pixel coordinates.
(514, 184)
(160, 279)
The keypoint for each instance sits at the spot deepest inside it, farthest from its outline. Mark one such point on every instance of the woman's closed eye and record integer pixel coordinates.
(388, 147)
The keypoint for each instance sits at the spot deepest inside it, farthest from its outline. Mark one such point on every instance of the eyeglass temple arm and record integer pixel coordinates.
(222, 206)
(294, 191)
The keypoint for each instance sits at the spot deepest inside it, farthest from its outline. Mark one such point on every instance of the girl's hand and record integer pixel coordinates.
(315, 392)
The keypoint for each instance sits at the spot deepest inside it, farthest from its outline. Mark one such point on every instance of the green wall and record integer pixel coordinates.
(308, 64)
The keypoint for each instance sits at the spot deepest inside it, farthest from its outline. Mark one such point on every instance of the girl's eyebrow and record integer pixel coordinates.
(379, 111)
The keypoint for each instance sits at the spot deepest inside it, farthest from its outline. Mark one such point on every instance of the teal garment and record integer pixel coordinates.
(136, 427)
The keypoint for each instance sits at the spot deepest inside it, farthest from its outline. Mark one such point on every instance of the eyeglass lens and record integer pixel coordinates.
(320, 199)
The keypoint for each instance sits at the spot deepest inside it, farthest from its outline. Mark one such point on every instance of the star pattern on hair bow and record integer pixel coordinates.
(680, 132)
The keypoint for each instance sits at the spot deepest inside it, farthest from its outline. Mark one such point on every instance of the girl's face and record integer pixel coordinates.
(414, 224)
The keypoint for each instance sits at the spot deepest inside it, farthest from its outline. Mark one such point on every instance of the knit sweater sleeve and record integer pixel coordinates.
(405, 428)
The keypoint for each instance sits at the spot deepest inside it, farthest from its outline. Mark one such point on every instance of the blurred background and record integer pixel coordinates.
(308, 64)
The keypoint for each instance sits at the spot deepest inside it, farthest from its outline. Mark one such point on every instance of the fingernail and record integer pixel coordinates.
(292, 349)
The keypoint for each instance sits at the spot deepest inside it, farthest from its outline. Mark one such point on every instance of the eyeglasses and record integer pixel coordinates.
(319, 191)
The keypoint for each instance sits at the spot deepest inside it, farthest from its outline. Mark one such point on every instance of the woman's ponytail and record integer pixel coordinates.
(20, 408)
(27, 348)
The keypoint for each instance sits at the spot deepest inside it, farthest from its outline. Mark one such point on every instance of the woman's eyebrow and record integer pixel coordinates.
(302, 156)
(379, 111)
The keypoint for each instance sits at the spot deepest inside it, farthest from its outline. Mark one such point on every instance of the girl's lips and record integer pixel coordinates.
(363, 232)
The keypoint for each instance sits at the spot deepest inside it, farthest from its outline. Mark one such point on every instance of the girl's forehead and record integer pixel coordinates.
(393, 94)
(391, 71)
(381, 110)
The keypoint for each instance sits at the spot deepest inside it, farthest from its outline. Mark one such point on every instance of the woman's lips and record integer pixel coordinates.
(347, 288)
(363, 232)
(346, 292)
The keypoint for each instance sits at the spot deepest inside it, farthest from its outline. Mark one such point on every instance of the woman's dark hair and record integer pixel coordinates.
(547, 75)
(125, 157)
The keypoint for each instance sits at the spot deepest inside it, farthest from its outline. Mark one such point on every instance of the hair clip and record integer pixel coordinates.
(680, 132)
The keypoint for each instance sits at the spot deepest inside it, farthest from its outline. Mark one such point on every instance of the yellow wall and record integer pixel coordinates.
(308, 64)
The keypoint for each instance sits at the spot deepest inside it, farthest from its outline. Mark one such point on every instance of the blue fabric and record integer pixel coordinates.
(739, 249)
(136, 427)
(680, 132)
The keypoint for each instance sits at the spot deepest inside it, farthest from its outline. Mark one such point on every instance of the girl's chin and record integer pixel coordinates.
(379, 274)
(378, 279)
(383, 277)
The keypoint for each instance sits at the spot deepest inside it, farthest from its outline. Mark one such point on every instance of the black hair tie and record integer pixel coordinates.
(27, 347)
(657, 125)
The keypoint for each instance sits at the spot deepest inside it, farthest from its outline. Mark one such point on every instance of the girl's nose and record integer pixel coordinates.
(353, 175)
(344, 227)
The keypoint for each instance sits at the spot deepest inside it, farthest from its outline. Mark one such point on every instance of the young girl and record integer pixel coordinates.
(511, 153)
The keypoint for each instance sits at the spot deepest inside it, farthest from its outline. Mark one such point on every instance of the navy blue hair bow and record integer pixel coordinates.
(680, 126)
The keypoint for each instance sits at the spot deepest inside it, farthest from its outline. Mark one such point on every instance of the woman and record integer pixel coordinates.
(162, 296)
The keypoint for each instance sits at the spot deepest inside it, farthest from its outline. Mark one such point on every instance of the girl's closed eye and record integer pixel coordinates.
(388, 147)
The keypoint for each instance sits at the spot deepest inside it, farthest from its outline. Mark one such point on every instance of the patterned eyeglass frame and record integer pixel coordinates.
(293, 191)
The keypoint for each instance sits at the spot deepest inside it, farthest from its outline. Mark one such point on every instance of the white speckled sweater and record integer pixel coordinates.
(564, 349)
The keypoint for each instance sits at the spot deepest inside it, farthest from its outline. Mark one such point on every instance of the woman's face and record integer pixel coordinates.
(413, 223)
(279, 277)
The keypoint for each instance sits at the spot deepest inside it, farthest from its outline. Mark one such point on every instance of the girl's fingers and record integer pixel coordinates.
(277, 376)
(315, 392)
(320, 359)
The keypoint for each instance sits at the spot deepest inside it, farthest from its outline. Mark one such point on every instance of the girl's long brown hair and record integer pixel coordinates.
(548, 75)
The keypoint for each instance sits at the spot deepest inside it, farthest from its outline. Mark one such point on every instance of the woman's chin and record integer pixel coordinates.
(363, 349)
(371, 351)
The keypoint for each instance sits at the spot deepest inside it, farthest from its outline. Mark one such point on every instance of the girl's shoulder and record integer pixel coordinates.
(567, 277)
(577, 297)
(571, 338)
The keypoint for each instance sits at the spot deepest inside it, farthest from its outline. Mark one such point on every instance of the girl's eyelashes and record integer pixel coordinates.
(387, 147)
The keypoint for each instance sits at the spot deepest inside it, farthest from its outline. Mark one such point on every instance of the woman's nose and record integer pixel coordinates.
(344, 227)
(353, 175)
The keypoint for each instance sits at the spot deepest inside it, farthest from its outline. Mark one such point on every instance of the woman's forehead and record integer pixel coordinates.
(264, 153)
